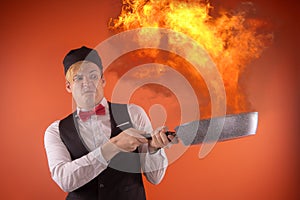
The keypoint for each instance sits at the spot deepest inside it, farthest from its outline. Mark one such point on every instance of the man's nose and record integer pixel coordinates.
(85, 80)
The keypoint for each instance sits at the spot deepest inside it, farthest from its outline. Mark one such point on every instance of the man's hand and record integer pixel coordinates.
(129, 140)
(160, 139)
(126, 141)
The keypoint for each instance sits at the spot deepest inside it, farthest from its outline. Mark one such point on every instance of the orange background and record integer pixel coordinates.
(35, 35)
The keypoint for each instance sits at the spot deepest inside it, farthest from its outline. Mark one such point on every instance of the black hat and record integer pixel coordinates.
(81, 54)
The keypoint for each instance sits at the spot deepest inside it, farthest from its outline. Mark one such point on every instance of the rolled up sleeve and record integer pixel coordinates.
(68, 174)
(153, 165)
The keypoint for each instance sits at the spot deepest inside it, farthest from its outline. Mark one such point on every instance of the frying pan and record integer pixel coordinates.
(216, 129)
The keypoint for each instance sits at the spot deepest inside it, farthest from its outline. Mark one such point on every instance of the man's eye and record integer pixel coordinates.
(93, 76)
(77, 78)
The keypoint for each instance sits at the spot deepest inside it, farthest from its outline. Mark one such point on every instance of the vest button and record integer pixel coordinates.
(101, 185)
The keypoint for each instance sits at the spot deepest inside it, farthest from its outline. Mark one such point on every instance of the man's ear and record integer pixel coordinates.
(68, 87)
(103, 81)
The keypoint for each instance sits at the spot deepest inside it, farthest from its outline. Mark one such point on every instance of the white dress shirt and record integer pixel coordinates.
(96, 131)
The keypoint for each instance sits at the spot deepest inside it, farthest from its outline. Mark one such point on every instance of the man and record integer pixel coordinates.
(98, 151)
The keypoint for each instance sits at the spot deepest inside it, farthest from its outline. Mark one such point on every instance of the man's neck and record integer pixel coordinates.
(88, 108)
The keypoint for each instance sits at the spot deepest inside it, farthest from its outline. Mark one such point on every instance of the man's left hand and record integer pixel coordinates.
(161, 140)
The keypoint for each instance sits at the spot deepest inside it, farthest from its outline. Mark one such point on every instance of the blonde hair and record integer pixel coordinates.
(72, 71)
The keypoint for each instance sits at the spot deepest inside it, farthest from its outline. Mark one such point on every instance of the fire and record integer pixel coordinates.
(232, 39)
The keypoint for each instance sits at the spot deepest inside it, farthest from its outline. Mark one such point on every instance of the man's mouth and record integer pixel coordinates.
(88, 91)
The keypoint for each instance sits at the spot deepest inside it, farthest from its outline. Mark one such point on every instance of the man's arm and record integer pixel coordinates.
(154, 164)
(68, 174)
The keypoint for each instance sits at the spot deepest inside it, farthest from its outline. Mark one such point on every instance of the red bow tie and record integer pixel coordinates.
(99, 110)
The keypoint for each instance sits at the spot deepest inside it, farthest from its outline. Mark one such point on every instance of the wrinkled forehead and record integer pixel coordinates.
(85, 67)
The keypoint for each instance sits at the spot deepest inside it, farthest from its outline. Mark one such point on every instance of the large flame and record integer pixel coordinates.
(232, 39)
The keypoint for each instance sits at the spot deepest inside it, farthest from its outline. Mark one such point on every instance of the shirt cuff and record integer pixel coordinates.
(155, 152)
(97, 154)
(145, 149)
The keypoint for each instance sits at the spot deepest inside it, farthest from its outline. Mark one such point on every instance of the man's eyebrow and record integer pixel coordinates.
(93, 71)
(79, 74)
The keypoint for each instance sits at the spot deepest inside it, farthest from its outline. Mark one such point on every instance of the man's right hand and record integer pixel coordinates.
(126, 141)
(129, 140)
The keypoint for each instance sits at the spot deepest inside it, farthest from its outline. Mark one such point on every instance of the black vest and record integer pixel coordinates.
(120, 180)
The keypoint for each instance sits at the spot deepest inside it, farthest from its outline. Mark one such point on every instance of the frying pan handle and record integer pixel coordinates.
(149, 137)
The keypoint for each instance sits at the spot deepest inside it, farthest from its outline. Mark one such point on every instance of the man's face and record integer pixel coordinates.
(86, 85)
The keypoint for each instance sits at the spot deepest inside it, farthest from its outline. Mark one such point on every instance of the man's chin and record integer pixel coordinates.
(90, 100)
